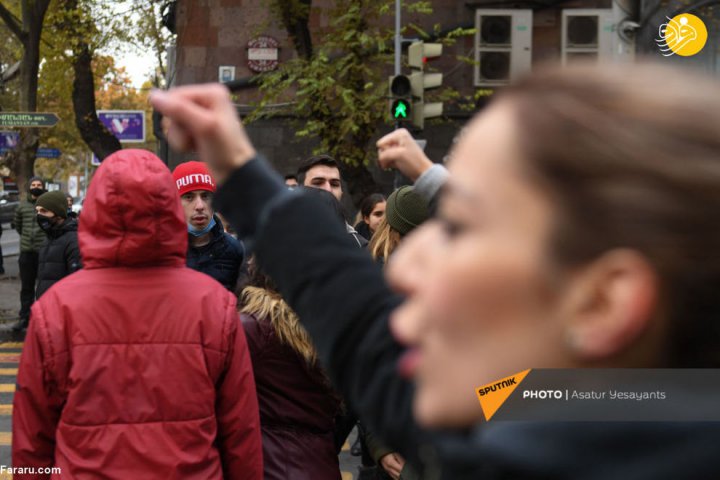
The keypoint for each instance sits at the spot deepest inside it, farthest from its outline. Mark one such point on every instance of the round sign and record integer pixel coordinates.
(262, 54)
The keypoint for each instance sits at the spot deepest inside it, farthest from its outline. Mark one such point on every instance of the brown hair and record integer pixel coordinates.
(631, 156)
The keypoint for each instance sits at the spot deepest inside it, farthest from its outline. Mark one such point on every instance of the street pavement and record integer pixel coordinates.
(10, 241)
(11, 347)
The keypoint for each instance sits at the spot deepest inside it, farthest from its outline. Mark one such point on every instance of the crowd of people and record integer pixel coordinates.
(574, 227)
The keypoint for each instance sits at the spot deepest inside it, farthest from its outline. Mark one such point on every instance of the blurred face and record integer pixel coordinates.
(291, 182)
(44, 212)
(376, 216)
(36, 186)
(69, 202)
(197, 207)
(325, 178)
(480, 302)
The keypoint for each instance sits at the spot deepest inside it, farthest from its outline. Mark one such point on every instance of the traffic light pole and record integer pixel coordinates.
(400, 179)
(398, 38)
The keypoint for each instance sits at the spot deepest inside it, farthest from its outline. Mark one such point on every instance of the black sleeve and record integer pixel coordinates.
(337, 290)
(73, 262)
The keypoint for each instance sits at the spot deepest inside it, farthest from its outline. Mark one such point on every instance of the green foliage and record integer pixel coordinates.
(340, 94)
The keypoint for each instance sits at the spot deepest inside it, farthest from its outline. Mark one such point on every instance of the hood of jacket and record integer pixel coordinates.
(132, 215)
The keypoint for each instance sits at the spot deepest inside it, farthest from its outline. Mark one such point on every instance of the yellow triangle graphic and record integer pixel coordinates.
(494, 394)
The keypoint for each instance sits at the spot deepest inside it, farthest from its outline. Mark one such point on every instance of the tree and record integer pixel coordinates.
(27, 31)
(338, 88)
(339, 92)
(75, 79)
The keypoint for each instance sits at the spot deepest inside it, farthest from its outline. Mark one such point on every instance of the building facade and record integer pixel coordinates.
(225, 40)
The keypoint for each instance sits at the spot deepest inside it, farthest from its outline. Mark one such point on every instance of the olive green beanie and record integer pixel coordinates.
(54, 201)
(405, 210)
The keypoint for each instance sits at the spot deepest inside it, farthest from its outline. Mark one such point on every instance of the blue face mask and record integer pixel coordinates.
(199, 233)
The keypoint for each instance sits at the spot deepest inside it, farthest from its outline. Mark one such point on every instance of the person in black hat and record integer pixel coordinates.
(60, 256)
(31, 240)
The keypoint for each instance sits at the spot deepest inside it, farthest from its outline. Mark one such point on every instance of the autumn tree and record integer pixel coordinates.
(65, 29)
(27, 29)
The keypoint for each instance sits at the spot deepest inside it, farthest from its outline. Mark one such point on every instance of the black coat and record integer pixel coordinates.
(59, 255)
(343, 301)
(221, 258)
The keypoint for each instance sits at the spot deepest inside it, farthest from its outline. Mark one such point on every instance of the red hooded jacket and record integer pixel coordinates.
(135, 366)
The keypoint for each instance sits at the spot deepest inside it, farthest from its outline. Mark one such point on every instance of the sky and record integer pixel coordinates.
(139, 66)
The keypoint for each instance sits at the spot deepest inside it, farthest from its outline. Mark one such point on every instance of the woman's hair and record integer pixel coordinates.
(262, 300)
(631, 157)
(369, 202)
(384, 241)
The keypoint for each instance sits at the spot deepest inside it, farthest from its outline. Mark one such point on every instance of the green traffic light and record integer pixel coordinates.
(400, 109)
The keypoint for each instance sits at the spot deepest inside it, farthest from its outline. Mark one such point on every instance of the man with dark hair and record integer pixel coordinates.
(323, 172)
(31, 239)
(70, 201)
(291, 180)
(210, 249)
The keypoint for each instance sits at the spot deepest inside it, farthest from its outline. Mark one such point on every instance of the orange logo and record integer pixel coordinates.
(493, 395)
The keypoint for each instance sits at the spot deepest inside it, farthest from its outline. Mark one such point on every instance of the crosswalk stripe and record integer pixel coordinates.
(7, 357)
(5, 409)
(5, 345)
(7, 387)
(8, 371)
(5, 439)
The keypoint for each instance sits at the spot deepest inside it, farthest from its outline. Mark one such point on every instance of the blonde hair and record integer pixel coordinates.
(267, 305)
(384, 241)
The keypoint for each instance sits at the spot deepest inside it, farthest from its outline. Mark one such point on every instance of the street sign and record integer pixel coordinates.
(127, 125)
(41, 152)
(28, 119)
(48, 153)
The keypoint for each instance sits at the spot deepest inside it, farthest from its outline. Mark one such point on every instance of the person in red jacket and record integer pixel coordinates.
(137, 366)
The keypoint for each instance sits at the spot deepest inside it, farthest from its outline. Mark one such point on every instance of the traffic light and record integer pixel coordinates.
(401, 104)
(418, 53)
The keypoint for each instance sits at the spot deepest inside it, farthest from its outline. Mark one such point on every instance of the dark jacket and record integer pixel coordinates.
(59, 257)
(136, 366)
(363, 229)
(221, 258)
(32, 236)
(344, 303)
(297, 408)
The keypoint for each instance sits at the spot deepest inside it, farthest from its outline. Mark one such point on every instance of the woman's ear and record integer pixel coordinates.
(610, 305)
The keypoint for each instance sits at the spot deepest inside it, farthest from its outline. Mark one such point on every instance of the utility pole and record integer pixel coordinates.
(400, 179)
(398, 38)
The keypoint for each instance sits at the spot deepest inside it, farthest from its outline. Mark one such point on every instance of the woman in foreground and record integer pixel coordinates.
(578, 229)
